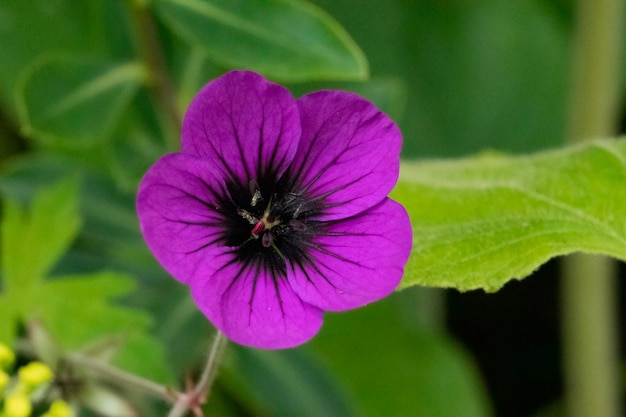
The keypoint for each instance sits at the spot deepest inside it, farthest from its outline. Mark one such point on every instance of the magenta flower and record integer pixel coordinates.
(276, 209)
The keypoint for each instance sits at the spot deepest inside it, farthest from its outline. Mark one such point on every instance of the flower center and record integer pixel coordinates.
(262, 227)
(269, 223)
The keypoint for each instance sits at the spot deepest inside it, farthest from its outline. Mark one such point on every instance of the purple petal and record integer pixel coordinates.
(254, 308)
(177, 213)
(349, 153)
(243, 125)
(357, 261)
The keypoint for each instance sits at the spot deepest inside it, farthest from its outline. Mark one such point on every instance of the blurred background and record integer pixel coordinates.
(458, 76)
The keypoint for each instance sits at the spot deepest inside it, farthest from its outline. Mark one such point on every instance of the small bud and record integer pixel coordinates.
(17, 405)
(34, 374)
(7, 357)
(59, 408)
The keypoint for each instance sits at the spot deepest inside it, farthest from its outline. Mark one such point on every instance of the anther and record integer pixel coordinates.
(255, 191)
(266, 239)
(255, 198)
(254, 185)
(297, 212)
(249, 217)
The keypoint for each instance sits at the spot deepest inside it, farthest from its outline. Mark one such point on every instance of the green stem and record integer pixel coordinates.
(591, 361)
(153, 57)
(200, 392)
(121, 377)
(588, 286)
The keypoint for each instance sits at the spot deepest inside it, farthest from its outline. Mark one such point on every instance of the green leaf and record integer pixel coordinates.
(75, 309)
(32, 243)
(395, 368)
(7, 326)
(389, 94)
(32, 28)
(73, 102)
(482, 221)
(285, 383)
(145, 355)
(79, 309)
(289, 40)
(85, 301)
(478, 74)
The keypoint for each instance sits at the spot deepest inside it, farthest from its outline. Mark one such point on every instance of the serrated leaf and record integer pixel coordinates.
(32, 243)
(482, 221)
(289, 40)
(75, 309)
(74, 102)
(86, 301)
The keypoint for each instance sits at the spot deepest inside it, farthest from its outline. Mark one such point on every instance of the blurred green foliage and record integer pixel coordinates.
(477, 74)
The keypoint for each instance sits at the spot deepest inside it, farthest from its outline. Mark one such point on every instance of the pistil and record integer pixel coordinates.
(258, 228)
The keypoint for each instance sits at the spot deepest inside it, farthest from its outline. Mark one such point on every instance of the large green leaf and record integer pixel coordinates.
(74, 102)
(32, 28)
(482, 221)
(290, 40)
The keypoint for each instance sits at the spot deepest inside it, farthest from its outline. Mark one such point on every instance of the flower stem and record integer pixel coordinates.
(121, 377)
(589, 305)
(200, 392)
(153, 57)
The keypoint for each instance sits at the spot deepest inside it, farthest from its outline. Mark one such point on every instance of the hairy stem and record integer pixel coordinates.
(200, 392)
(588, 285)
(121, 377)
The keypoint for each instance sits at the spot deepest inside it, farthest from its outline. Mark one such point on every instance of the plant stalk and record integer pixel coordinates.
(589, 304)
(121, 377)
(200, 392)
(161, 84)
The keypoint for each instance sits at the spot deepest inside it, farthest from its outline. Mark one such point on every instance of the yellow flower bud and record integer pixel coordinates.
(7, 357)
(59, 408)
(17, 405)
(34, 374)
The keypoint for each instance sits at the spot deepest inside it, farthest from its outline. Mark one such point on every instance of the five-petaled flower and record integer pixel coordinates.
(276, 209)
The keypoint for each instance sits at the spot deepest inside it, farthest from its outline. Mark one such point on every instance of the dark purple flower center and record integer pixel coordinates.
(269, 224)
